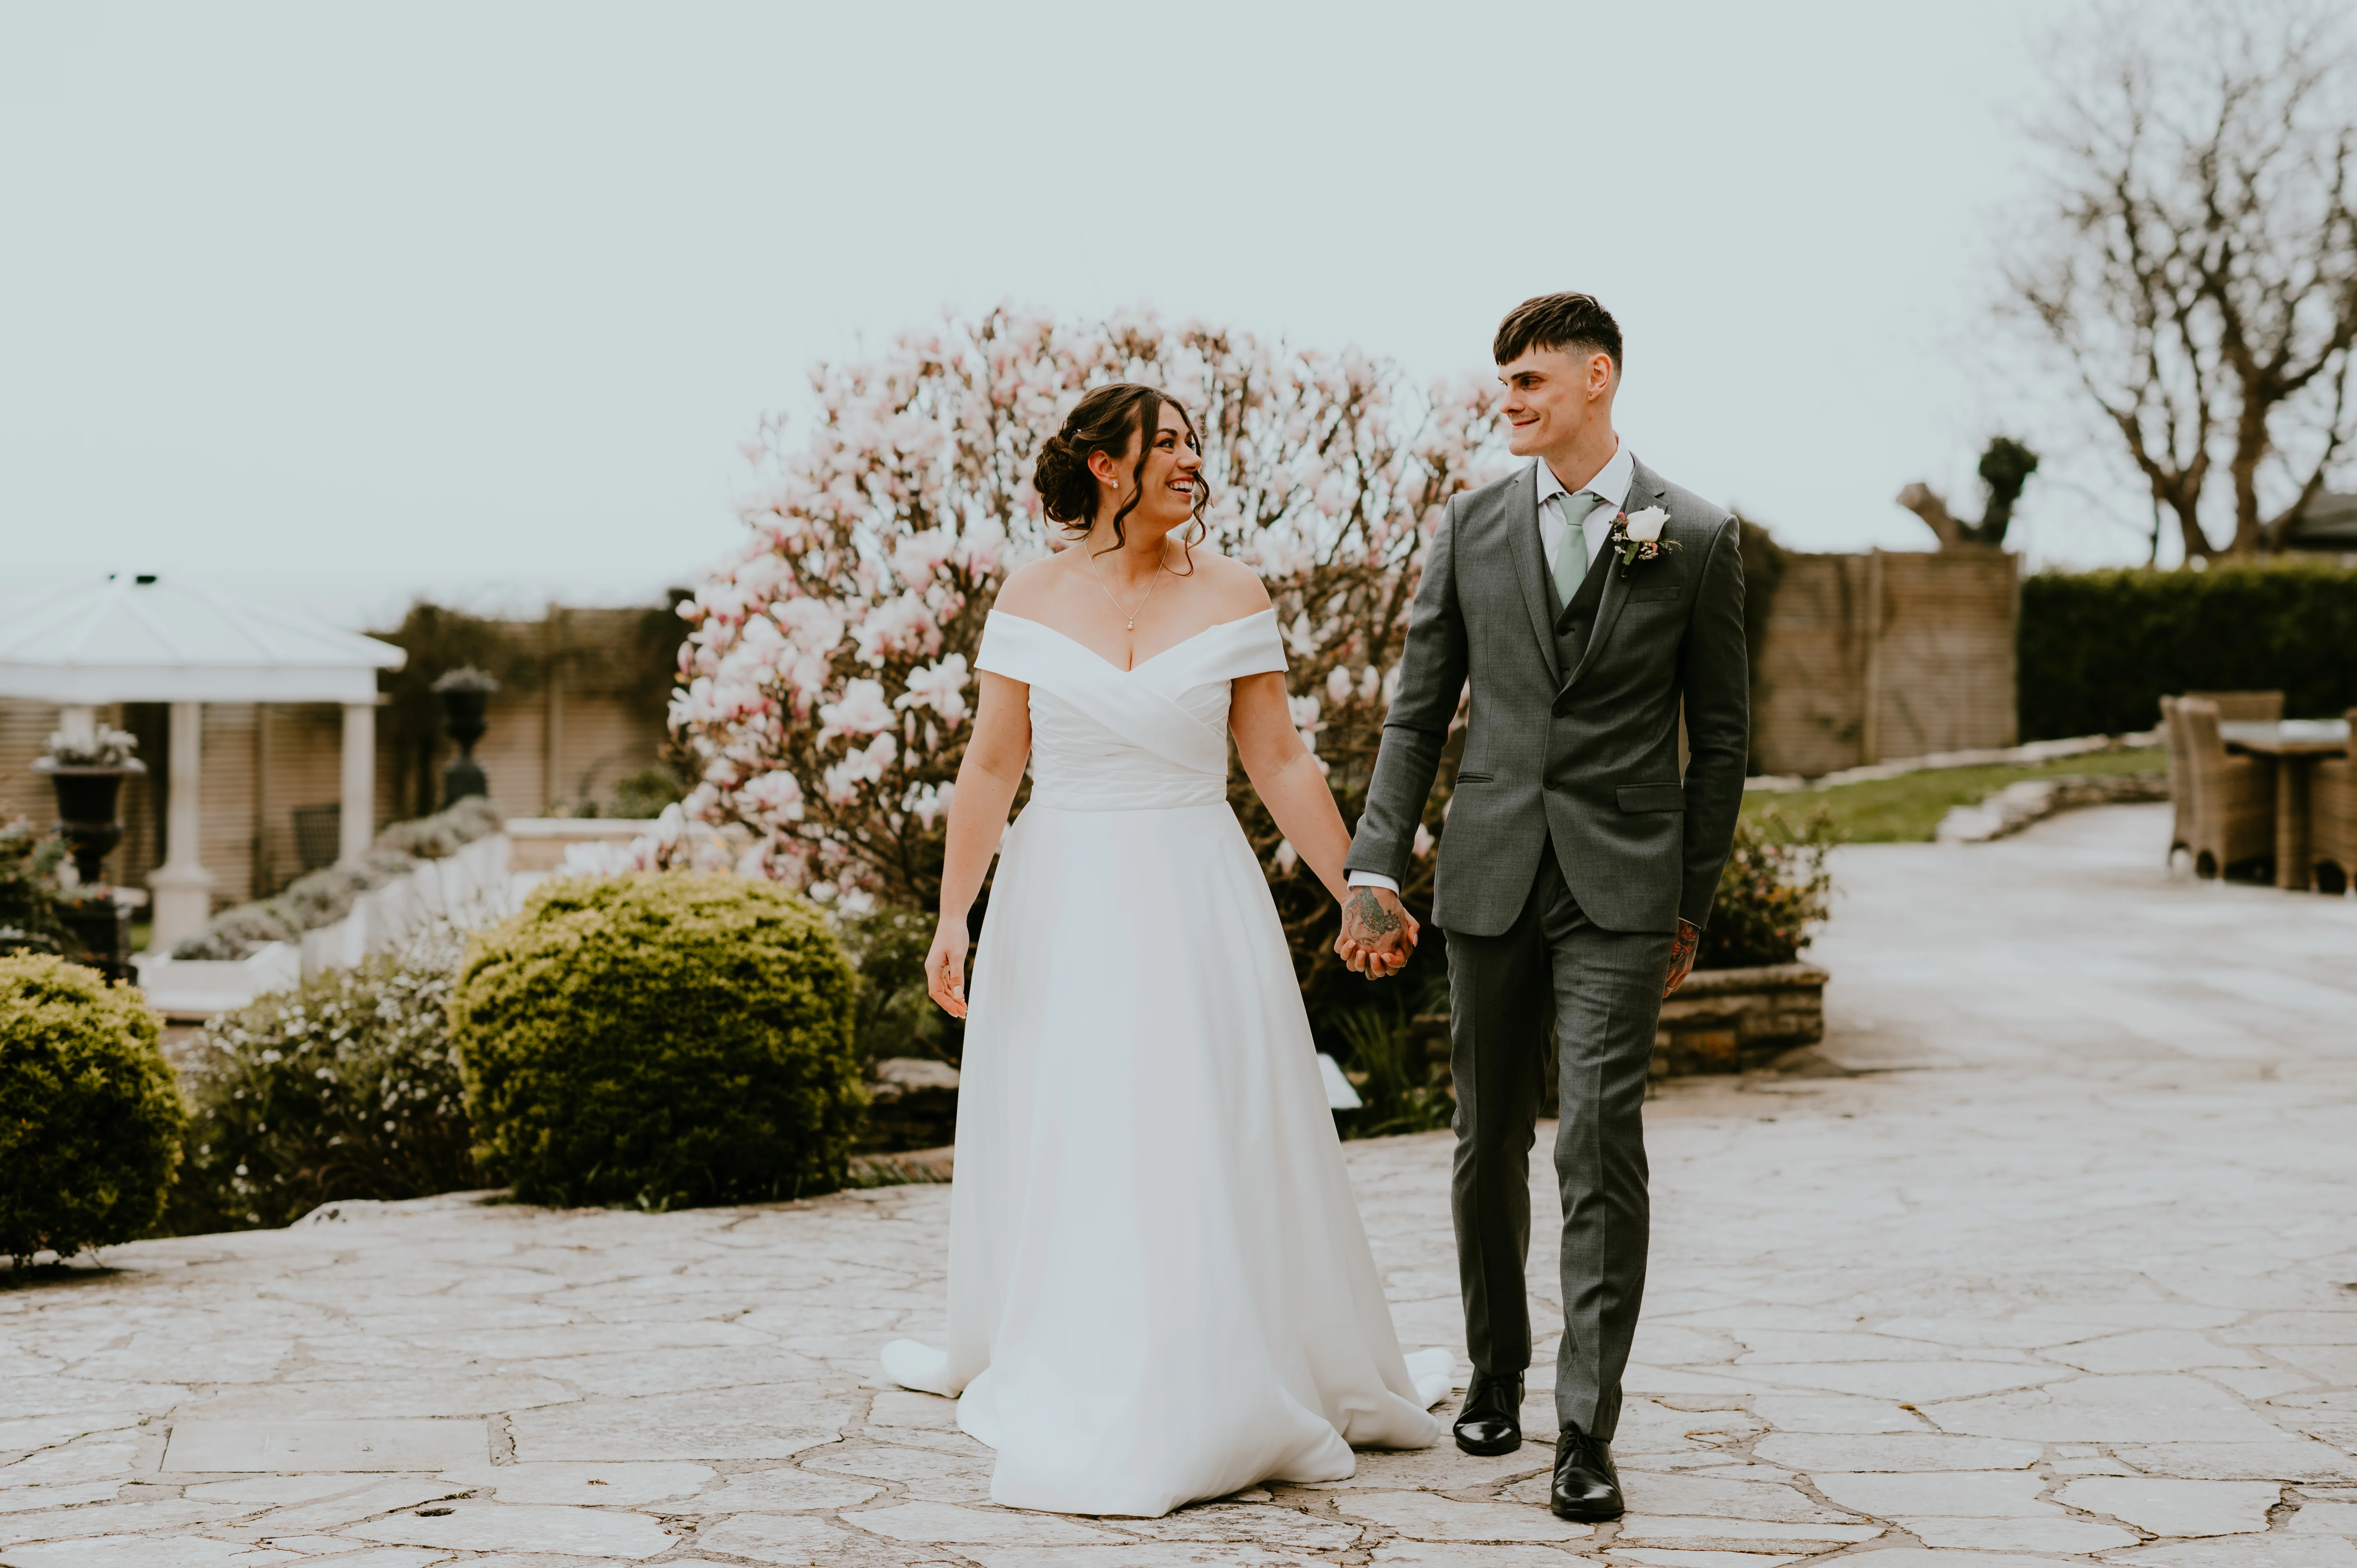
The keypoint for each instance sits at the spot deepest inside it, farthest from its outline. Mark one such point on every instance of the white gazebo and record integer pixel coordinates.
(126, 639)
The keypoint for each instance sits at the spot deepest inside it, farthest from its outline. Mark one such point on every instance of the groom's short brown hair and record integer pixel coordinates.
(1569, 321)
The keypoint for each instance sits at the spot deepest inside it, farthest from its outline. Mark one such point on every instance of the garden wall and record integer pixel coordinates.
(1891, 654)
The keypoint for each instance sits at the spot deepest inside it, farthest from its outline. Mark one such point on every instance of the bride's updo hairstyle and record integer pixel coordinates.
(1108, 420)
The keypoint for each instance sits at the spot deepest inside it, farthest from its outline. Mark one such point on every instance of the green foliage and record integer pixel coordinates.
(660, 1040)
(322, 897)
(644, 794)
(344, 1087)
(90, 1118)
(894, 1017)
(2004, 468)
(29, 859)
(1774, 888)
(1401, 1091)
(1908, 808)
(2099, 649)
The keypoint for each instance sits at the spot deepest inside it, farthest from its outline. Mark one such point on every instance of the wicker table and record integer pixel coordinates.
(2294, 744)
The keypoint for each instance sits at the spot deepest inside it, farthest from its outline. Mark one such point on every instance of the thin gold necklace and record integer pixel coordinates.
(1129, 617)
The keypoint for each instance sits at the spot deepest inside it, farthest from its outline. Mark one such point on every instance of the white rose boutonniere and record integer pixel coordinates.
(1637, 537)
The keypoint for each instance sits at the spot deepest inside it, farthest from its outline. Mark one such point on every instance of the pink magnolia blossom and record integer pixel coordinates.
(825, 682)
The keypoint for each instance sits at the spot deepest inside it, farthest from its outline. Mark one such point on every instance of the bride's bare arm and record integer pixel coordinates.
(986, 782)
(1288, 779)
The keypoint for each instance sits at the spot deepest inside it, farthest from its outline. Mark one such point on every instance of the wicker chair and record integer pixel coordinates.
(2181, 779)
(2243, 707)
(2233, 796)
(2332, 817)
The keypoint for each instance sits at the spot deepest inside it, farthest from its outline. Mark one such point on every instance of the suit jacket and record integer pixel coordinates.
(1585, 759)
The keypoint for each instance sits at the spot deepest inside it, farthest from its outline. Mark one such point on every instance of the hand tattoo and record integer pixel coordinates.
(1371, 917)
(1681, 957)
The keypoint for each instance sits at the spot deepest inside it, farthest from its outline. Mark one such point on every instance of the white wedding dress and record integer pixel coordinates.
(1159, 1287)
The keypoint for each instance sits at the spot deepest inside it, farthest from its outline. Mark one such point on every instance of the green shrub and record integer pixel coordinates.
(90, 1118)
(644, 794)
(1401, 1090)
(894, 1015)
(2099, 649)
(1774, 888)
(343, 1087)
(29, 859)
(660, 1040)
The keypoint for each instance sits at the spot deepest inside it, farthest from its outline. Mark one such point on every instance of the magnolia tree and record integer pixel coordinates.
(827, 682)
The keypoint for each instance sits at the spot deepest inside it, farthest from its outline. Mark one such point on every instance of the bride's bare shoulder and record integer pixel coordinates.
(1236, 589)
(1028, 588)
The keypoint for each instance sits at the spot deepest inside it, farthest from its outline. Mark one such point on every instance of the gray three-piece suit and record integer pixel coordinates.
(1571, 850)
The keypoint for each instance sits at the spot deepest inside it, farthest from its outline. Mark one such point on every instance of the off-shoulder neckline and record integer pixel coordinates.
(1182, 642)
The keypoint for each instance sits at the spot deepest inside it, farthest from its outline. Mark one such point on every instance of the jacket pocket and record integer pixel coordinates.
(1652, 797)
(1473, 778)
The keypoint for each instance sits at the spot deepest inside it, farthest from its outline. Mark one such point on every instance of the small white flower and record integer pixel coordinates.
(1645, 526)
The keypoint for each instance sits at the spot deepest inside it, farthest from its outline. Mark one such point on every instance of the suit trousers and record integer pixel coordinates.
(1603, 990)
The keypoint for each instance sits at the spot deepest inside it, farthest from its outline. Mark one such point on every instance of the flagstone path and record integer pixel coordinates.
(2069, 1273)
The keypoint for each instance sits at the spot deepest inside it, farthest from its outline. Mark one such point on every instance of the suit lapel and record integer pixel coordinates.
(1530, 561)
(1644, 489)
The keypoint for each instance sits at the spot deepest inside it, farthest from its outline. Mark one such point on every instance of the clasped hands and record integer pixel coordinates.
(1379, 936)
(1378, 933)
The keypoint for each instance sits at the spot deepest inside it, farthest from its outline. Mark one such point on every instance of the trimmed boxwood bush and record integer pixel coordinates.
(344, 1087)
(90, 1118)
(2099, 649)
(660, 1040)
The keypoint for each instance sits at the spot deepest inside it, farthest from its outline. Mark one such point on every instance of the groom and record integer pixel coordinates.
(1588, 601)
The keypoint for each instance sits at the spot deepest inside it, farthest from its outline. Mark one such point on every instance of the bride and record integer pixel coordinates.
(1159, 1287)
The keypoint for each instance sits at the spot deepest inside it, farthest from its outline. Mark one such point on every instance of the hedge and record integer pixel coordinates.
(660, 1040)
(2099, 649)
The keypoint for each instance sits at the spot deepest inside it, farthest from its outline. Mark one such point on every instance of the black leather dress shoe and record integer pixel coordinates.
(1492, 1420)
(1587, 1487)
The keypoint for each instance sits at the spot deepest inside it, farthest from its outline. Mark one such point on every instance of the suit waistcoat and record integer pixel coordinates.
(1575, 622)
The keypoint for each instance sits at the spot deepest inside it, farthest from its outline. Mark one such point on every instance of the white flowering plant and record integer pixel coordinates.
(827, 683)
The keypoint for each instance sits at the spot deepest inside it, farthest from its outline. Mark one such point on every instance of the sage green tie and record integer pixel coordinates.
(1571, 556)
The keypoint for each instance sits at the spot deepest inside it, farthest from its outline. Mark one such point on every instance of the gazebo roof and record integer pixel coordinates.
(126, 638)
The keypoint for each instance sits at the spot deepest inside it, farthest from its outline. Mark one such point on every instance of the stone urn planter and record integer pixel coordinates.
(466, 696)
(88, 820)
(89, 799)
(1729, 1020)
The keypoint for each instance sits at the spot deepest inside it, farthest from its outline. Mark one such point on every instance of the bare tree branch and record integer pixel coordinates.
(2197, 265)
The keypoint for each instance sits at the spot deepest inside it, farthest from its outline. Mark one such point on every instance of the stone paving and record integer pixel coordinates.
(2063, 1269)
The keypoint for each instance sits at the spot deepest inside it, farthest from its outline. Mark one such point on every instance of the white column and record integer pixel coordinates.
(357, 822)
(183, 888)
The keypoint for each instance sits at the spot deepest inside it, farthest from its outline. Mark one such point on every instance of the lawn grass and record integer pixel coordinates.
(1907, 809)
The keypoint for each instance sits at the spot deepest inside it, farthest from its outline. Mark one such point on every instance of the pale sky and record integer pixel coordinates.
(354, 302)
